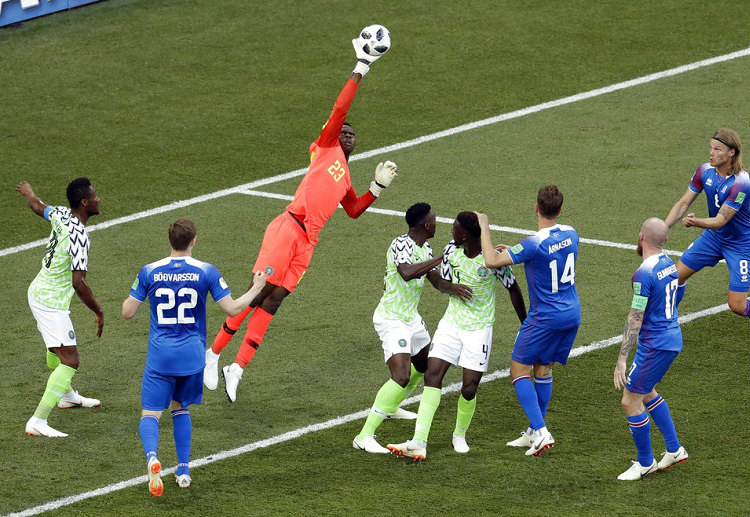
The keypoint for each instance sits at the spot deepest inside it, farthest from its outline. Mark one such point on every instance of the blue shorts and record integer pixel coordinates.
(542, 345)
(158, 390)
(708, 249)
(648, 368)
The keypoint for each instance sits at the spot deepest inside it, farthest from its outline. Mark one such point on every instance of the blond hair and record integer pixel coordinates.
(731, 139)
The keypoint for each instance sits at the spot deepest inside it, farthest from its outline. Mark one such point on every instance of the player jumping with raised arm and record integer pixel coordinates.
(290, 239)
(397, 321)
(177, 288)
(653, 323)
(63, 272)
(727, 229)
(547, 335)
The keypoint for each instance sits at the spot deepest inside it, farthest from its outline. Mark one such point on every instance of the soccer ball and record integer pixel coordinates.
(375, 40)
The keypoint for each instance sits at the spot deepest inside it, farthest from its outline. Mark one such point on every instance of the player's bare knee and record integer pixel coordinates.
(737, 306)
(401, 377)
(469, 391)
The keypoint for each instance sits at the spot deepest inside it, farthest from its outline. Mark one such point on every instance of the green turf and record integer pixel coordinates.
(163, 100)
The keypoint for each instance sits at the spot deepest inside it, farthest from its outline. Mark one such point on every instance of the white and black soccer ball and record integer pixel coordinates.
(375, 40)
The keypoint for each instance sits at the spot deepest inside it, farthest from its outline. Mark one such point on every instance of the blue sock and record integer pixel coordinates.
(663, 419)
(527, 397)
(747, 309)
(640, 428)
(543, 387)
(183, 434)
(149, 431)
(679, 294)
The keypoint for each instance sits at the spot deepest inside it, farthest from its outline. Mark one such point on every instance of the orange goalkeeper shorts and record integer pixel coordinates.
(285, 253)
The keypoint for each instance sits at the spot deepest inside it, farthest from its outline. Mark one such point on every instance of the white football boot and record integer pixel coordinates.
(74, 399)
(155, 484)
(402, 414)
(232, 376)
(368, 444)
(670, 459)
(183, 480)
(541, 441)
(411, 449)
(459, 443)
(211, 371)
(524, 440)
(38, 427)
(636, 471)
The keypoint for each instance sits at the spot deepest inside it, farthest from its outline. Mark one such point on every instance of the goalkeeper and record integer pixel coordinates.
(291, 237)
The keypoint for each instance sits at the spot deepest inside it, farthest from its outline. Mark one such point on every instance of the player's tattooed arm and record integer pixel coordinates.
(726, 213)
(629, 339)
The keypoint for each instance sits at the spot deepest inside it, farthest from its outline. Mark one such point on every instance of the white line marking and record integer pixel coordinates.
(408, 143)
(314, 428)
(446, 220)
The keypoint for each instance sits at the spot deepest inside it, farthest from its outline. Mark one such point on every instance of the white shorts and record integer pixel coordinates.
(54, 325)
(468, 349)
(400, 337)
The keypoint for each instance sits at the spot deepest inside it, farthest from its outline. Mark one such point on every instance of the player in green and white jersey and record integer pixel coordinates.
(398, 323)
(63, 272)
(464, 334)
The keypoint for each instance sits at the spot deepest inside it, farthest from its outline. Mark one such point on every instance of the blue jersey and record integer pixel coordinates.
(732, 191)
(549, 258)
(654, 288)
(177, 289)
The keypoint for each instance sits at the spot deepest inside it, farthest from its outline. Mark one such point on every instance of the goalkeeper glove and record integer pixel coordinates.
(364, 60)
(384, 174)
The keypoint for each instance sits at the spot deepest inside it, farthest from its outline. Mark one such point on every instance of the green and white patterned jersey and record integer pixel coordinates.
(67, 251)
(401, 298)
(457, 268)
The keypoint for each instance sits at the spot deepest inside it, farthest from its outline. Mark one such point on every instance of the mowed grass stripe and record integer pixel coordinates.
(314, 428)
(402, 145)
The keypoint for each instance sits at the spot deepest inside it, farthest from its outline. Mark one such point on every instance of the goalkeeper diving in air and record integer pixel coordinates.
(290, 239)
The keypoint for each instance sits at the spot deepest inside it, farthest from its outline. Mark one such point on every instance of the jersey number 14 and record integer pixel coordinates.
(568, 273)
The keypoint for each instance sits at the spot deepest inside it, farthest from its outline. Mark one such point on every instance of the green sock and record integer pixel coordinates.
(58, 385)
(52, 360)
(387, 400)
(414, 380)
(464, 414)
(427, 407)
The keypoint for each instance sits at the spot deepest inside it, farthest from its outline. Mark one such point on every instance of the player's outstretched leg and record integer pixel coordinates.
(256, 329)
(225, 334)
(183, 435)
(661, 415)
(386, 401)
(58, 382)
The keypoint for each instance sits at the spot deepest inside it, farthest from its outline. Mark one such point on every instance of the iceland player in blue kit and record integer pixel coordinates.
(177, 288)
(727, 229)
(547, 334)
(652, 322)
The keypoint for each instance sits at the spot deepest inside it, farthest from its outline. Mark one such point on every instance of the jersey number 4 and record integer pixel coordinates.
(191, 301)
(568, 274)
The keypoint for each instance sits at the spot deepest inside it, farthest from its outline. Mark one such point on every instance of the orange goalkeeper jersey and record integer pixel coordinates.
(327, 181)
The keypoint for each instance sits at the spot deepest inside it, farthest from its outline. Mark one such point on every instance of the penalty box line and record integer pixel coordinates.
(314, 428)
(405, 144)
